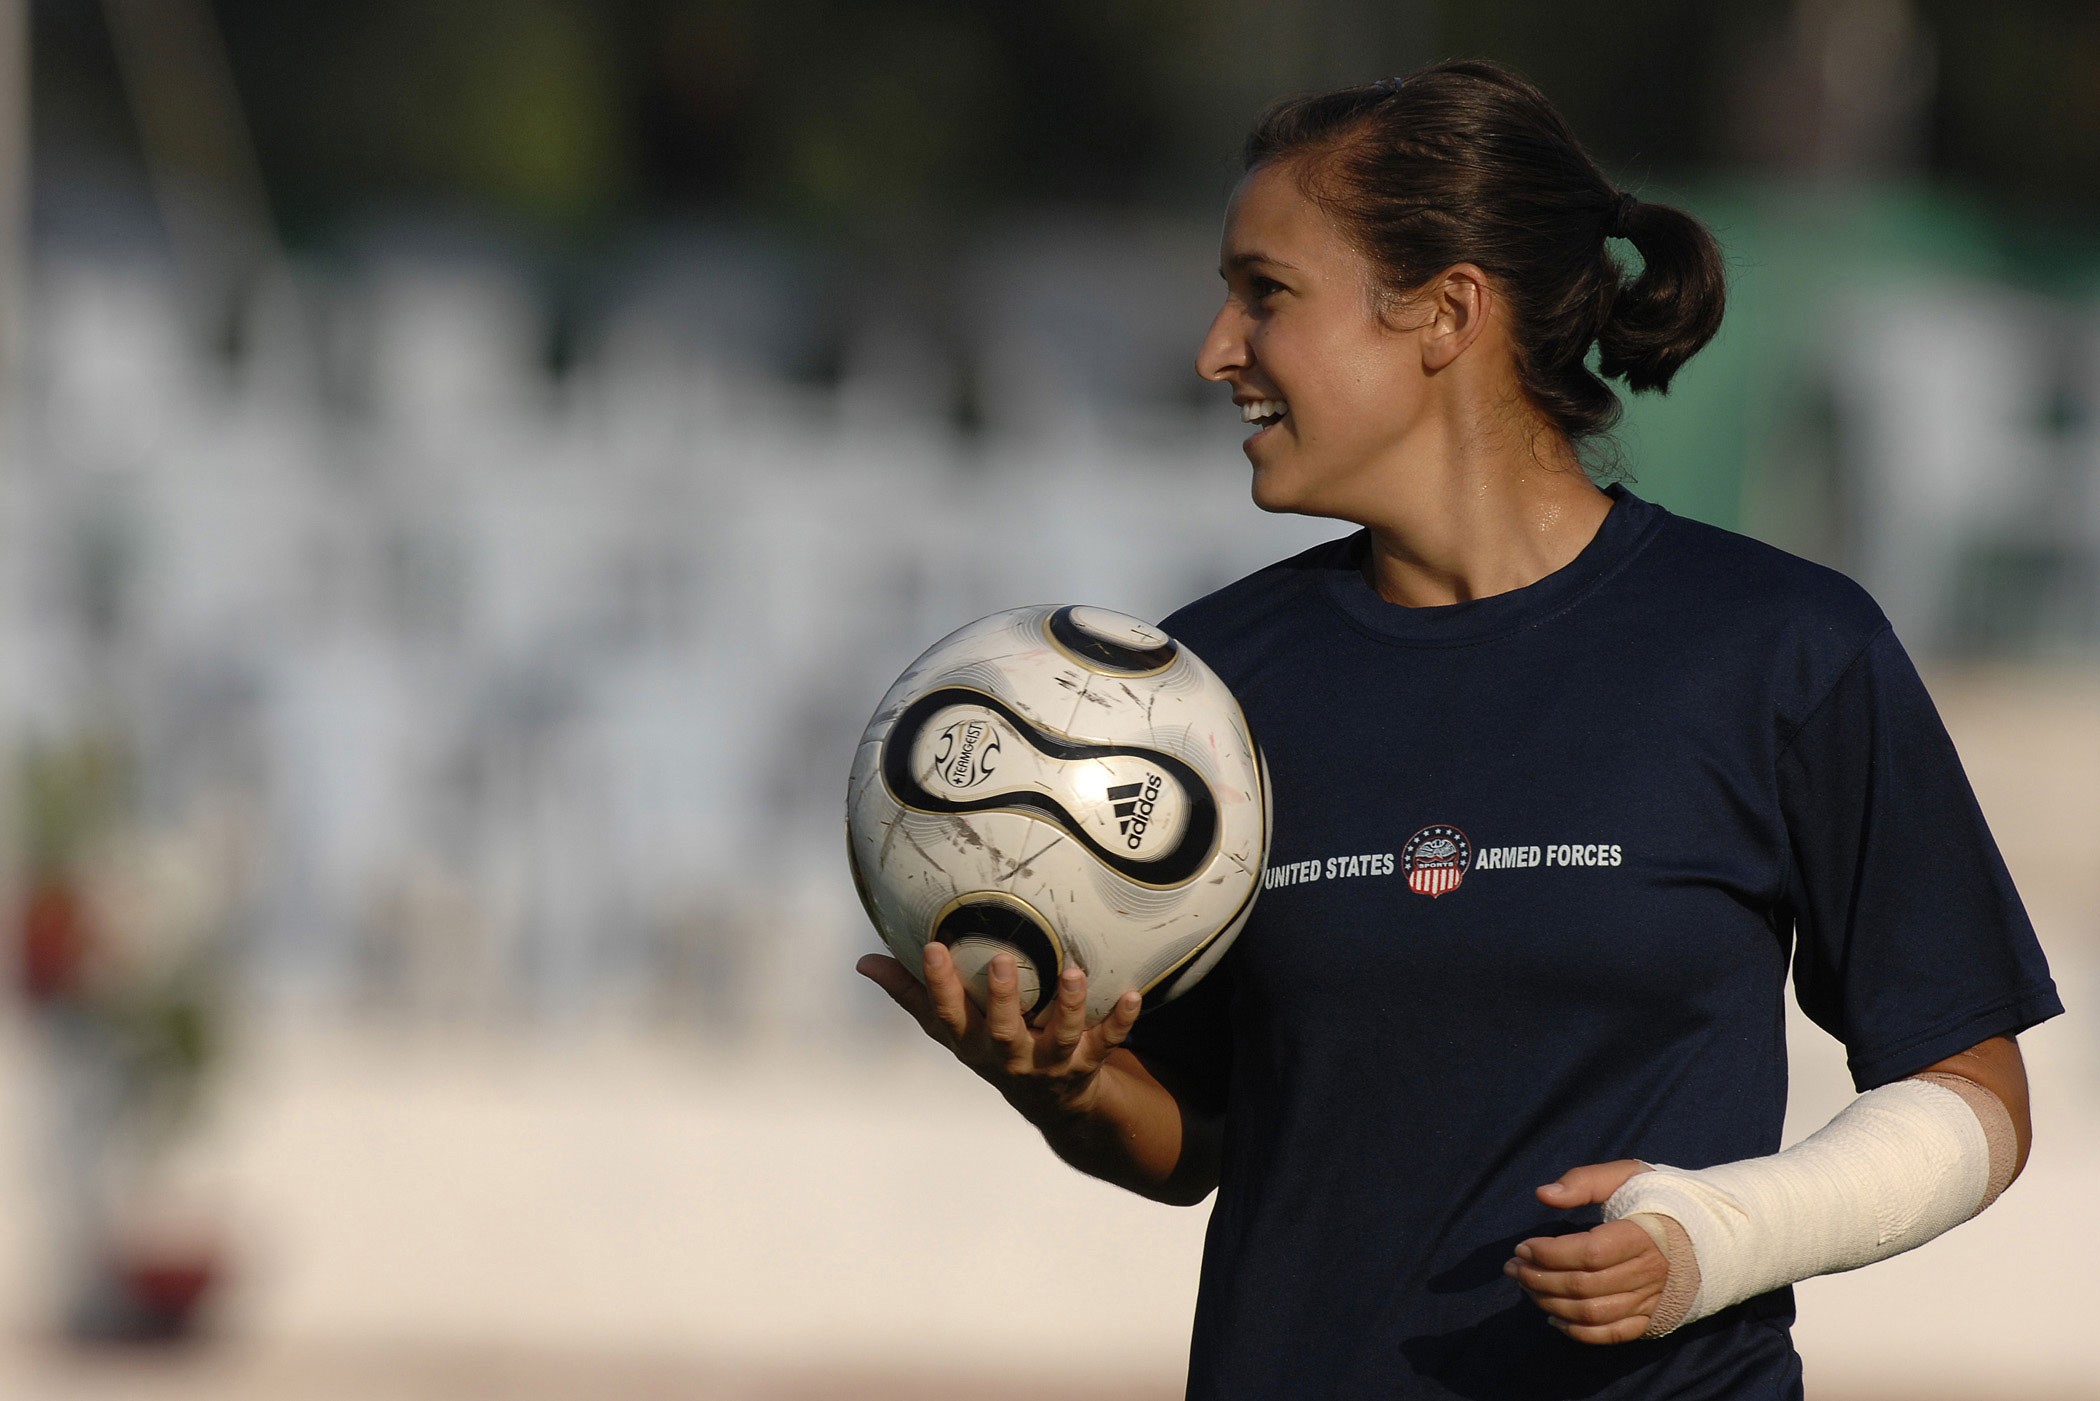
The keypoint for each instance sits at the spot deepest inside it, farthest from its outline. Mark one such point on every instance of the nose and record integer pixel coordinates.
(1224, 346)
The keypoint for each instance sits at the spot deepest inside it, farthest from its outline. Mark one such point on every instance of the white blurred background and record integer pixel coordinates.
(469, 475)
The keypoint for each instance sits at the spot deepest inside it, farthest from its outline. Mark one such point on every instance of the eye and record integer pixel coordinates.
(1264, 287)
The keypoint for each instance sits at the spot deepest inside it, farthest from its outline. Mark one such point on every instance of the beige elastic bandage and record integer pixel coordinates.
(1898, 1166)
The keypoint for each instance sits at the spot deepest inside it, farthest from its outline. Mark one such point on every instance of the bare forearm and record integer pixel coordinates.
(1133, 1132)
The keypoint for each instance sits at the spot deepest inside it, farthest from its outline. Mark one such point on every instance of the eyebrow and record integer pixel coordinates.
(1240, 261)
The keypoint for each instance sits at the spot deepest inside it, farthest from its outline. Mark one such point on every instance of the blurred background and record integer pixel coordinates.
(468, 470)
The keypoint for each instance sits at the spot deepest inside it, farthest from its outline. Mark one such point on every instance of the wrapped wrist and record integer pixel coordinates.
(1898, 1166)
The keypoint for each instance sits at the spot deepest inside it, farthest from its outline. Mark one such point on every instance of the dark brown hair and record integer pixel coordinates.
(1466, 162)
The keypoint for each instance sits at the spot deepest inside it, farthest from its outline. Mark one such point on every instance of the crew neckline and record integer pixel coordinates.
(1626, 526)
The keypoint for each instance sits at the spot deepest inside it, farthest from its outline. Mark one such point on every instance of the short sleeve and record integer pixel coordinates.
(1187, 1043)
(1911, 943)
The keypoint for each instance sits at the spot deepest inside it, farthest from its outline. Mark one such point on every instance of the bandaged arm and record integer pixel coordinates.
(1899, 1165)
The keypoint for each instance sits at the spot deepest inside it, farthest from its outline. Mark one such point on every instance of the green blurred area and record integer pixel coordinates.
(1750, 409)
(576, 114)
(1829, 142)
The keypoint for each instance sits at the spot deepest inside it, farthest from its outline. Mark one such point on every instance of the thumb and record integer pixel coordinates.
(1590, 1185)
(896, 980)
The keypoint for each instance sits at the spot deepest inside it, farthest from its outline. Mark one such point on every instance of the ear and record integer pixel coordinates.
(1459, 301)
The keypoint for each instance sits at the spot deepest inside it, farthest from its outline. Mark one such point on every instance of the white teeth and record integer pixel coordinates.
(1261, 409)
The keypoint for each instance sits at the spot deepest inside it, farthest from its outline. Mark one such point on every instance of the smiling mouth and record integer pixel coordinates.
(1264, 412)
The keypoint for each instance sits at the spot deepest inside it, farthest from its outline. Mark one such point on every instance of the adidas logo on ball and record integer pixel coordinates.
(1134, 803)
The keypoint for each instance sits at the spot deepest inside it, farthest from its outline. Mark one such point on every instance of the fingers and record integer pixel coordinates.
(1002, 1014)
(1613, 1243)
(945, 1010)
(1643, 1272)
(886, 973)
(1597, 1286)
(1110, 1032)
(905, 990)
(1601, 1312)
(944, 989)
(1081, 1049)
(1068, 1016)
(1590, 1185)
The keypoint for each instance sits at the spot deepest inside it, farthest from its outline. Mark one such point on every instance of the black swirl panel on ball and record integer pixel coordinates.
(1110, 642)
(987, 921)
(1143, 813)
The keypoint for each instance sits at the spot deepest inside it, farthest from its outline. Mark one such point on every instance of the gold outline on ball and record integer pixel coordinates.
(1043, 626)
(1013, 902)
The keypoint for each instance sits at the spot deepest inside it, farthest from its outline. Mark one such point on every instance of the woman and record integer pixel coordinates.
(1626, 768)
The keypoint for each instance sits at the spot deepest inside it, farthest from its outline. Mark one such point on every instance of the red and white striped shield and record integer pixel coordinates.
(1436, 859)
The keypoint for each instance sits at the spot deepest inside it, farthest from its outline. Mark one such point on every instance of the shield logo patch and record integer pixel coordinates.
(1436, 860)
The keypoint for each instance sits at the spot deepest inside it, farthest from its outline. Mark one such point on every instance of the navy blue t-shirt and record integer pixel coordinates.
(1540, 863)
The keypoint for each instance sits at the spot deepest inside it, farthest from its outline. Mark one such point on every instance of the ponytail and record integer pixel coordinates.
(1673, 308)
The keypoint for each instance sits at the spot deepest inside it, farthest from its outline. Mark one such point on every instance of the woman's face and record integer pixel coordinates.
(1333, 387)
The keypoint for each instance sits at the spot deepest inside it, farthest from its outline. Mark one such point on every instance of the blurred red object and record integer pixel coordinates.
(149, 1291)
(168, 1288)
(55, 940)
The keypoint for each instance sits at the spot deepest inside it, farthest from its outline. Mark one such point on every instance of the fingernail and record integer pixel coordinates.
(1073, 978)
(1524, 1253)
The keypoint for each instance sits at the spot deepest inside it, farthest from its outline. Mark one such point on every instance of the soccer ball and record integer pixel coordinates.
(1071, 786)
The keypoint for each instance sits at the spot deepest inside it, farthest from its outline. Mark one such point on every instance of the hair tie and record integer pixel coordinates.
(1621, 214)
